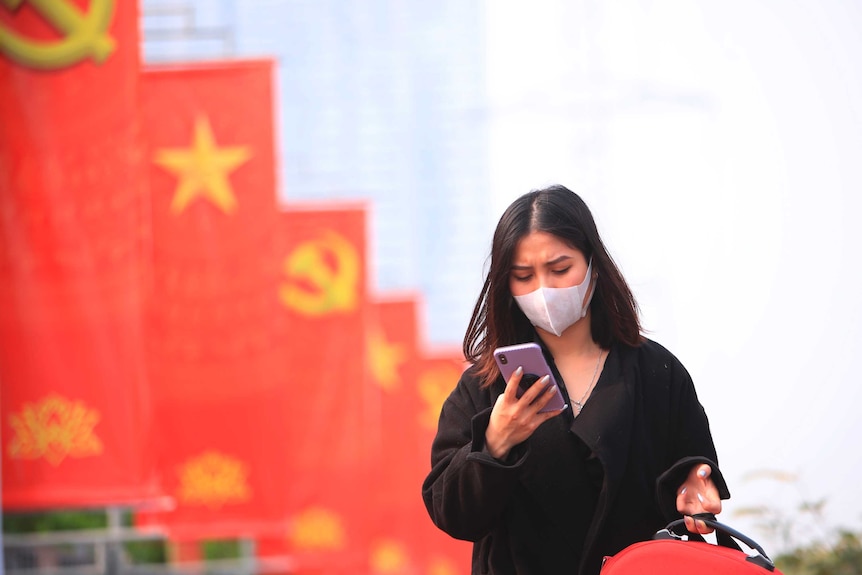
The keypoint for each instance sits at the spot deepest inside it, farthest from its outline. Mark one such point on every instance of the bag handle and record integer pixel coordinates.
(672, 532)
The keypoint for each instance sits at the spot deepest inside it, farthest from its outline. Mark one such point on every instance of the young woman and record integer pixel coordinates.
(554, 492)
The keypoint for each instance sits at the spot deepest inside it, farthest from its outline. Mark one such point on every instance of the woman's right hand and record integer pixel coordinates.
(514, 419)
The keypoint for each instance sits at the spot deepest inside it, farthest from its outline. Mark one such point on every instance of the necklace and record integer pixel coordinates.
(579, 404)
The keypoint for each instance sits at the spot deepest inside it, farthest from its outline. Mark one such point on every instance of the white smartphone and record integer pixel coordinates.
(530, 357)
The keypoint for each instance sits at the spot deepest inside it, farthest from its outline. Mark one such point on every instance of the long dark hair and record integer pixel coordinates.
(497, 320)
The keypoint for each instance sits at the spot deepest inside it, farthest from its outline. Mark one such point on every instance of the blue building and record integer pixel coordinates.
(381, 100)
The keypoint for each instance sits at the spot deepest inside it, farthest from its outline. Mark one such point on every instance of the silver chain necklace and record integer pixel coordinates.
(579, 404)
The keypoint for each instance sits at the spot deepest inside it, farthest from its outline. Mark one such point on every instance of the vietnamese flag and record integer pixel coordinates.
(216, 335)
(210, 155)
(413, 384)
(437, 374)
(73, 256)
(392, 360)
(211, 158)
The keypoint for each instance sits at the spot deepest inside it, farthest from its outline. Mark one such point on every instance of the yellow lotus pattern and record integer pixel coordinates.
(54, 428)
(318, 529)
(388, 557)
(214, 480)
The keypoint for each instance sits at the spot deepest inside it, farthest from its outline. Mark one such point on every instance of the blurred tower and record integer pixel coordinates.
(380, 100)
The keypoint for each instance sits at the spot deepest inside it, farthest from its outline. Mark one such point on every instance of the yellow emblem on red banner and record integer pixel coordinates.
(54, 429)
(322, 276)
(84, 34)
(384, 359)
(318, 529)
(388, 557)
(434, 386)
(203, 169)
(441, 566)
(214, 480)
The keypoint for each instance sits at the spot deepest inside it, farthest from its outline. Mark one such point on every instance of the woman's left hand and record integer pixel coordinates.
(698, 495)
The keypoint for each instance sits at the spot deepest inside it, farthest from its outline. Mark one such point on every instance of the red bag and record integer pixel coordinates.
(671, 554)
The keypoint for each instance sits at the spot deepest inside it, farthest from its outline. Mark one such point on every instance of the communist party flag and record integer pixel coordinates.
(331, 421)
(413, 385)
(216, 337)
(73, 256)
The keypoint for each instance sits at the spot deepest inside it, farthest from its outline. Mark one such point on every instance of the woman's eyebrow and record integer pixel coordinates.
(559, 259)
(553, 262)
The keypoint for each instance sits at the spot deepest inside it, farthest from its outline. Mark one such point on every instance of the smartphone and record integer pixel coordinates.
(530, 357)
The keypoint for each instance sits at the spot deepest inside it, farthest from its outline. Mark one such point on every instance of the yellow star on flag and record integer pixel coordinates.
(385, 358)
(203, 169)
(434, 387)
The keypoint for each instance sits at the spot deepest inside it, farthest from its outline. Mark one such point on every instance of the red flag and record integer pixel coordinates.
(216, 338)
(322, 291)
(72, 256)
(437, 374)
(392, 358)
(413, 385)
(332, 419)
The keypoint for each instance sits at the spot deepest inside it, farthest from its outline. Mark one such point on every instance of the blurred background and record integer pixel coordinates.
(717, 145)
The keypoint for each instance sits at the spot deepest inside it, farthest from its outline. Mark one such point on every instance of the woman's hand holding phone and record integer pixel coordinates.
(514, 419)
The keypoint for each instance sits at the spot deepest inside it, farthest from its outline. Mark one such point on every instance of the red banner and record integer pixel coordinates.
(437, 374)
(322, 291)
(392, 352)
(331, 421)
(216, 342)
(413, 386)
(72, 256)
(195, 316)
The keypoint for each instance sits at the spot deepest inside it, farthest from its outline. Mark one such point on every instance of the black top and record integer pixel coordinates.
(579, 488)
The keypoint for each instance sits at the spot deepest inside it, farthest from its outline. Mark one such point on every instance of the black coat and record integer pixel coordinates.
(632, 446)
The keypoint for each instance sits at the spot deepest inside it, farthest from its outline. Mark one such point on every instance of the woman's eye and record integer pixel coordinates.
(522, 278)
(561, 272)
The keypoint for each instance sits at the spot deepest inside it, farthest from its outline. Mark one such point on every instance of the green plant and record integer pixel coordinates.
(221, 549)
(808, 546)
(842, 557)
(39, 522)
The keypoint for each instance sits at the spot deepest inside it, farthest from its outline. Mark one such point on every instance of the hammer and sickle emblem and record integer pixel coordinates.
(84, 34)
(323, 276)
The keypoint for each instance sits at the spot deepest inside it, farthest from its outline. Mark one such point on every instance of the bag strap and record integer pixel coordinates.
(725, 536)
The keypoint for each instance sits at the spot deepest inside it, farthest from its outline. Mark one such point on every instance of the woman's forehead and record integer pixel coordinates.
(544, 245)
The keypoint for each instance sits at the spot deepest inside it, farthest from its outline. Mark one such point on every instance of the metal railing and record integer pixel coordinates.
(106, 551)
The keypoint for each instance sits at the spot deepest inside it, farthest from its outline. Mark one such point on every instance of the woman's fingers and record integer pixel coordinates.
(534, 395)
(698, 495)
(513, 418)
(511, 392)
(696, 525)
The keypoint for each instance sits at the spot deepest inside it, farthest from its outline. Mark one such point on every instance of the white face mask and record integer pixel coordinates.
(555, 309)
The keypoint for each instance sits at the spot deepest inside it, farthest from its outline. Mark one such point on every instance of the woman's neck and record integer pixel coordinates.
(576, 341)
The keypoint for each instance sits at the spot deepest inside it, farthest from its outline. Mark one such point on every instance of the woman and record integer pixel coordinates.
(555, 492)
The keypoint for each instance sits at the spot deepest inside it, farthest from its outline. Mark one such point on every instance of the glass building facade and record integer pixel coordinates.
(382, 101)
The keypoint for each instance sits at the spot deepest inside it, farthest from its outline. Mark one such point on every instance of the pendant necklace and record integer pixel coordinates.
(580, 403)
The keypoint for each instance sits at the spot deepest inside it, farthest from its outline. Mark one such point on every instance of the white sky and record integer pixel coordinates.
(718, 144)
